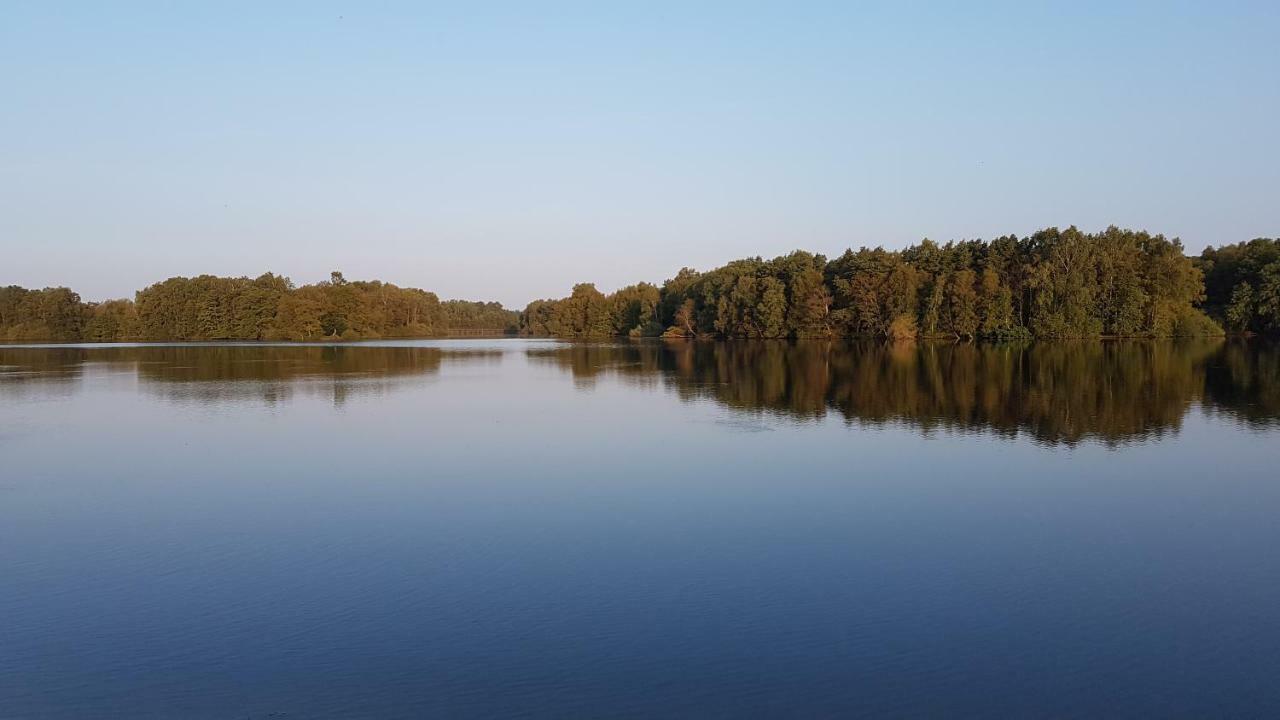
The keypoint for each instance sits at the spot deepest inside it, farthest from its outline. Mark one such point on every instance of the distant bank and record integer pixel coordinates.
(268, 307)
(1053, 283)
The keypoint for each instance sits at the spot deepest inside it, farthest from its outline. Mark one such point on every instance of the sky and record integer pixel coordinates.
(505, 151)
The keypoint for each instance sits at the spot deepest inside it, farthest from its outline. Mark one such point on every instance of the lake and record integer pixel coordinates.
(534, 528)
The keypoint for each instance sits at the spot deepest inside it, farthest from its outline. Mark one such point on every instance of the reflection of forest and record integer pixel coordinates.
(1060, 392)
(213, 373)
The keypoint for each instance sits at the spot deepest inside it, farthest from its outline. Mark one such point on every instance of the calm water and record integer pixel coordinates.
(531, 528)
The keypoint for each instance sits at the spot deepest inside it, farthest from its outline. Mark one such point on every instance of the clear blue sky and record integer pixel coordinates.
(506, 151)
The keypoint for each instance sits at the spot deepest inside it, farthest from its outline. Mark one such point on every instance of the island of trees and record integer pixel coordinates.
(1054, 283)
(268, 307)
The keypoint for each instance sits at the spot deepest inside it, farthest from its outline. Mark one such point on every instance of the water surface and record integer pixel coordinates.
(535, 528)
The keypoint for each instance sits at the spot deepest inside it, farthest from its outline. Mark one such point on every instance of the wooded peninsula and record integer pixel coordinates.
(1051, 284)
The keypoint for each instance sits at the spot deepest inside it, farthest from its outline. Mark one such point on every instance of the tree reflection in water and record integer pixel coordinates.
(1058, 392)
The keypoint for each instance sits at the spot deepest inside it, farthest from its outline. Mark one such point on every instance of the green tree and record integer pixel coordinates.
(962, 304)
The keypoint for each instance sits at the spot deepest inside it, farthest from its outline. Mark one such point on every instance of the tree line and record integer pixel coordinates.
(268, 307)
(1053, 284)
(1242, 284)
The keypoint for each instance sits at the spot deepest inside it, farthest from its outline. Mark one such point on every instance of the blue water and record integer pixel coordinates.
(537, 529)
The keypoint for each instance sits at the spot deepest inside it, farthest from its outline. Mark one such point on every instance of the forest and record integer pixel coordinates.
(1052, 284)
(268, 307)
(1242, 285)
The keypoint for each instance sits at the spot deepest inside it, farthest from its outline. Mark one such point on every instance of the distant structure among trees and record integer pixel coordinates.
(1055, 283)
(1052, 284)
(268, 307)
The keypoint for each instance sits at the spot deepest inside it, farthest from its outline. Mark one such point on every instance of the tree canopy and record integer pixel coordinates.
(1242, 284)
(268, 307)
(1054, 283)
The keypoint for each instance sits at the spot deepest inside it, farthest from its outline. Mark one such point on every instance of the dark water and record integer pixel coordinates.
(510, 528)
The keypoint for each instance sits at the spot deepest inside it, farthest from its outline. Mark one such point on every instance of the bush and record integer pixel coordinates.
(1191, 322)
(1016, 333)
(903, 327)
